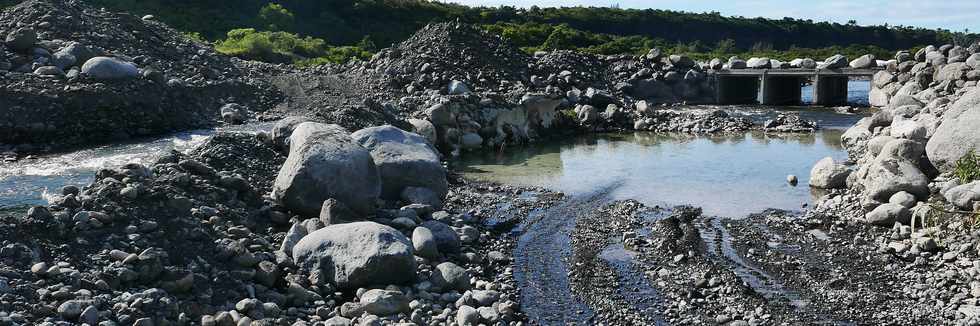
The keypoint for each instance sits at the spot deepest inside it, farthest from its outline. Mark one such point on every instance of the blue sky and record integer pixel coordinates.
(949, 14)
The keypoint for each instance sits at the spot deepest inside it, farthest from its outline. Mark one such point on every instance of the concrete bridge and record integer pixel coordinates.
(784, 86)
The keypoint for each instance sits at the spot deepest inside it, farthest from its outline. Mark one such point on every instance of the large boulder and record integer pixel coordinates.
(357, 254)
(953, 71)
(759, 63)
(828, 174)
(447, 241)
(958, 133)
(964, 196)
(864, 62)
(893, 170)
(324, 162)
(888, 214)
(106, 68)
(681, 61)
(836, 61)
(736, 63)
(403, 159)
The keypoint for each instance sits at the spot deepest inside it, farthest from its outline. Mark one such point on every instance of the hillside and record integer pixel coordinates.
(390, 21)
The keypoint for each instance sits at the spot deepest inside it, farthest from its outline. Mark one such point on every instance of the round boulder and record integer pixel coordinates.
(358, 254)
(106, 68)
(827, 174)
(957, 135)
(403, 159)
(324, 162)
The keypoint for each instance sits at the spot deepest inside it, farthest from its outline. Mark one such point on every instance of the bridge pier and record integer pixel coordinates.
(737, 89)
(781, 90)
(829, 90)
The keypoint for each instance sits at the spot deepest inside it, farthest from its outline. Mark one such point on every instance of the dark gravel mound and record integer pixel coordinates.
(48, 98)
(440, 53)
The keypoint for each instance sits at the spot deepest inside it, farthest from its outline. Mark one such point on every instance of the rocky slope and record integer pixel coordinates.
(71, 74)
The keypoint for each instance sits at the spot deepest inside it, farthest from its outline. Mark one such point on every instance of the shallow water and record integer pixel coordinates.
(28, 181)
(727, 175)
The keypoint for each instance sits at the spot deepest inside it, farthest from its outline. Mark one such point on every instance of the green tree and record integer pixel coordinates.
(275, 17)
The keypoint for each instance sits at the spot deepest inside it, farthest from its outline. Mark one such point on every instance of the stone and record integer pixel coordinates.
(836, 61)
(681, 61)
(283, 130)
(89, 316)
(903, 198)
(337, 321)
(107, 68)
(964, 196)
(233, 113)
(736, 63)
(759, 63)
(446, 238)
(467, 316)
(893, 170)
(792, 180)
(902, 127)
(957, 134)
(440, 115)
(358, 254)
(325, 163)
(424, 243)
(458, 88)
(21, 39)
(449, 276)
(424, 196)
(808, 63)
(882, 78)
(471, 140)
(425, 129)
(403, 159)
(335, 212)
(383, 302)
(716, 64)
(953, 71)
(293, 236)
(71, 309)
(888, 214)
(957, 54)
(864, 62)
(973, 61)
(827, 174)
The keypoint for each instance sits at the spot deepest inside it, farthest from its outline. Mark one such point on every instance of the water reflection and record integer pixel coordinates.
(729, 175)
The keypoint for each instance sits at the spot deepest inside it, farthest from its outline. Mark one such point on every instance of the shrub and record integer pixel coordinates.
(282, 47)
(967, 168)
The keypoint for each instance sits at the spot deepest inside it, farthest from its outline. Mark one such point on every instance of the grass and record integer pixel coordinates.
(967, 168)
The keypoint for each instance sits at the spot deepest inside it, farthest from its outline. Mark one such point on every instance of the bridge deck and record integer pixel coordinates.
(798, 72)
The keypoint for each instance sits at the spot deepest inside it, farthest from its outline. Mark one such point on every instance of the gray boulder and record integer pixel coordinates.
(79, 52)
(827, 174)
(864, 62)
(458, 88)
(283, 129)
(716, 64)
(964, 196)
(903, 198)
(107, 68)
(420, 195)
(759, 63)
(403, 159)
(681, 61)
(958, 133)
(808, 63)
(836, 61)
(446, 238)
(449, 276)
(424, 243)
(358, 254)
(895, 169)
(953, 71)
(383, 302)
(957, 54)
(21, 39)
(324, 163)
(974, 61)
(425, 129)
(888, 214)
(882, 78)
(736, 63)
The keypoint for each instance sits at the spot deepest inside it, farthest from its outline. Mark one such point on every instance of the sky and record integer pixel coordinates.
(955, 15)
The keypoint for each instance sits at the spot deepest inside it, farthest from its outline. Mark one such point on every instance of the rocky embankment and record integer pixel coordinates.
(306, 225)
(71, 75)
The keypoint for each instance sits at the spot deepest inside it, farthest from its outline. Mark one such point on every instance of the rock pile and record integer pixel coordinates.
(195, 239)
(72, 74)
(903, 178)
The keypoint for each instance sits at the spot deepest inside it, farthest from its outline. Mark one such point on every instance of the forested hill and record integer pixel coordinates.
(379, 23)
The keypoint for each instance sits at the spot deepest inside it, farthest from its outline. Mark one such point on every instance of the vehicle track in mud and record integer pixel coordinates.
(543, 248)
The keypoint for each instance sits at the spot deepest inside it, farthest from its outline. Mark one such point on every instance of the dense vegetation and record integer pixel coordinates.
(593, 29)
